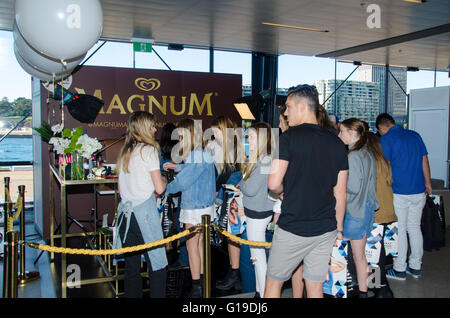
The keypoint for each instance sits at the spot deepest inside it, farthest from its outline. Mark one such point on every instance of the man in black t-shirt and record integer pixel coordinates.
(312, 172)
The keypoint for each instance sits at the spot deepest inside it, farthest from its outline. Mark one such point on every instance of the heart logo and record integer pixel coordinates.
(151, 84)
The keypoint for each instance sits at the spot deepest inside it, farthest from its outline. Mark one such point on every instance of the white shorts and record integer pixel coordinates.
(194, 216)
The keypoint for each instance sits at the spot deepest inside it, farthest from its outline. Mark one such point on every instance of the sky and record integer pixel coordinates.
(293, 69)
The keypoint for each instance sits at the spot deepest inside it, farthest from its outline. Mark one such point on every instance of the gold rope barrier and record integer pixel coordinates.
(239, 240)
(80, 251)
(12, 218)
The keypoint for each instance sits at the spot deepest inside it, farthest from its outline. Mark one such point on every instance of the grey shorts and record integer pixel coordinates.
(289, 250)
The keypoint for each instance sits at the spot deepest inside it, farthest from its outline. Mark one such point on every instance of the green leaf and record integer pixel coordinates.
(67, 132)
(45, 131)
(78, 131)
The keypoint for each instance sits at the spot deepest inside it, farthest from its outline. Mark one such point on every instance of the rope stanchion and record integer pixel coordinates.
(80, 251)
(240, 240)
(24, 276)
(11, 265)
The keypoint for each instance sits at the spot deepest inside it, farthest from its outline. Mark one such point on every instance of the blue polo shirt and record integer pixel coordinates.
(405, 150)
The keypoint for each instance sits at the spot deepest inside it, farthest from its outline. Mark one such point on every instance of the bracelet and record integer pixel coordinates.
(339, 231)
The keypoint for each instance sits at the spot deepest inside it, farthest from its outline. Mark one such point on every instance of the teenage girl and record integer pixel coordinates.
(258, 207)
(362, 199)
(228, 154)
(138, 219)
(195, 180)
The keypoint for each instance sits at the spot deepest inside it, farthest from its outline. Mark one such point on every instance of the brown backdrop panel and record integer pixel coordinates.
(170, 95)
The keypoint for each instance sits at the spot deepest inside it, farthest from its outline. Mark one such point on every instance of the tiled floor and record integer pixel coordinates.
(433, 284)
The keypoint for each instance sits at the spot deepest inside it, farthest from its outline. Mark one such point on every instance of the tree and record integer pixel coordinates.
(5, 107)
(21, 106)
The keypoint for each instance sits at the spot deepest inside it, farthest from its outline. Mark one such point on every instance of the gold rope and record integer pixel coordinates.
(239, 240)
(79, 251)
(7, 195)
(12, 218)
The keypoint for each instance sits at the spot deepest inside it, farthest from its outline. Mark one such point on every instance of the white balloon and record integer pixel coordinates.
(40, 61)
(33, 71)
(61, 29)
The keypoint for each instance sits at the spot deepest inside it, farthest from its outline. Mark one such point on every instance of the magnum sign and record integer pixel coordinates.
(170, 95)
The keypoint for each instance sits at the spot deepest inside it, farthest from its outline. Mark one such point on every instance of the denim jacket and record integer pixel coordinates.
(195, 180)
(149, 224)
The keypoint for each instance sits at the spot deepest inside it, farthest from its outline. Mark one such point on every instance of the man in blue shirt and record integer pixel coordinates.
(408, 156)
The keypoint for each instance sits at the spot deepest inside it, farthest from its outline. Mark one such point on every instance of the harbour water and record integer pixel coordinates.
(16, 148)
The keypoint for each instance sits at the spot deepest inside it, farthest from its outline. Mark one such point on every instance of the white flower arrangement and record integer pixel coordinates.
(73, 140)
(88, 145)
(58, 128)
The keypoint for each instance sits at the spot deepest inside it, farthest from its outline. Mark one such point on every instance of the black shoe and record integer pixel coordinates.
(383, 292)
(257, 295)
(363, 295)
(232, 280)
(196, 291)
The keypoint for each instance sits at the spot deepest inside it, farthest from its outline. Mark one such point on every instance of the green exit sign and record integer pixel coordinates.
(142, 47)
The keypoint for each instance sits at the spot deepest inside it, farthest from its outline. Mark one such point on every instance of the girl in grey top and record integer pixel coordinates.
(257, 205)
(361, 195)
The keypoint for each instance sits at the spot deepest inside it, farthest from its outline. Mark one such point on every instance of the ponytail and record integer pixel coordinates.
(361, 129)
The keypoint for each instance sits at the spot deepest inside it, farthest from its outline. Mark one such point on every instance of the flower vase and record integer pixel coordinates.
(77, 172)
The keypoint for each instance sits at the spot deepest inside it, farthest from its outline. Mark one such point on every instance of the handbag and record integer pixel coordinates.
(433, 223)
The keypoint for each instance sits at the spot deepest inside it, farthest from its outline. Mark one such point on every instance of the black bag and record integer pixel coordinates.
(433, 224)
(168, 220)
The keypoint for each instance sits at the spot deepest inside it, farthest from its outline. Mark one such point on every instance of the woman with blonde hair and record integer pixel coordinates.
(258, 207)
(138, 218)
(195, 181)
(229, 154)
(361, 195)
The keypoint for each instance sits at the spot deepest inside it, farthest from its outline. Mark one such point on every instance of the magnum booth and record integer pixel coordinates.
(170, 95)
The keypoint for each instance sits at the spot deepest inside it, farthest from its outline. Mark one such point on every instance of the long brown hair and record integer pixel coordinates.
(265, 146)
(361, 129)
(323, 119)
(374, 147)
(230, 157)
(139, 131)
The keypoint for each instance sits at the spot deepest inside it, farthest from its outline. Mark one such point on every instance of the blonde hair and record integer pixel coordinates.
(139, 131)
(265, 146)
(233, 156)
(191, 138)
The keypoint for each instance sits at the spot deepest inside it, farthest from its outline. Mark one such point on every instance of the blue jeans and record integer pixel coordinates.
(356, 228)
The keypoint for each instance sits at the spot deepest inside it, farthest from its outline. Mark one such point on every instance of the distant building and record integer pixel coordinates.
(247, 90)
(396, 98)
(353, 99)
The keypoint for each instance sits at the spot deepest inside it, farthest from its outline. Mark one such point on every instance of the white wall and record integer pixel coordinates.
(429, 116)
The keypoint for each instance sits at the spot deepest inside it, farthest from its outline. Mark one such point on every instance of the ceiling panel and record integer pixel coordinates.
(237, 25)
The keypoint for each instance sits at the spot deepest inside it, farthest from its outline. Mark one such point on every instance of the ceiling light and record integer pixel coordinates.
(293, 27)
(416, 1)
(412, 69)
(142, 40)
(175, 47)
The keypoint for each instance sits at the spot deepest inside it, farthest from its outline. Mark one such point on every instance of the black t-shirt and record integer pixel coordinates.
(315, 158)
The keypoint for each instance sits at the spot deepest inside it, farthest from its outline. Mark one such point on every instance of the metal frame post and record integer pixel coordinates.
(24, 276)
(206, 220)
(11, 263)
